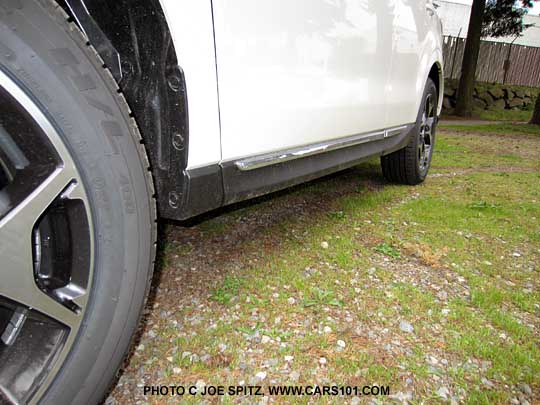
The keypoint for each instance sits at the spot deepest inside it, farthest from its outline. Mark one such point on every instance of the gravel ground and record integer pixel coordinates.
(324, 284)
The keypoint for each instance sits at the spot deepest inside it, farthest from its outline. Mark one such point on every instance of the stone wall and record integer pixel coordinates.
(492, 97)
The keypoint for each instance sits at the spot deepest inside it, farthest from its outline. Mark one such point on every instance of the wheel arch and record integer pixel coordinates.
(134, 41)
(436, 74)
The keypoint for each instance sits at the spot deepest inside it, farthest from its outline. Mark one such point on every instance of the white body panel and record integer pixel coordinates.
(192, 31)
(415, 50)
(298, 72)
(293, 73)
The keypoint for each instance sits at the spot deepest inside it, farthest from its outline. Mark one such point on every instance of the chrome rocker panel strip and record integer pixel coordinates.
(272, 158)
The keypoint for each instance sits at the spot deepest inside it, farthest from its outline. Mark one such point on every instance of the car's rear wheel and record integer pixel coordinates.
(410, 165)
(77, 216)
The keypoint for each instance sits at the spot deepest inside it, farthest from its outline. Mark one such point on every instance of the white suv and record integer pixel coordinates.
(115, 113)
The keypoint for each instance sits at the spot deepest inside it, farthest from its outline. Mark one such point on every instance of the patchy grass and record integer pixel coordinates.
(495, 129)
(512, 116)
(255, 290)
(319, 297)
(487, 150)
(388, 250)
(506, 115)
(227, 290)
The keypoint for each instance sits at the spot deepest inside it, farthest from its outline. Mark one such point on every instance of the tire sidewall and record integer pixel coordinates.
(51, 63)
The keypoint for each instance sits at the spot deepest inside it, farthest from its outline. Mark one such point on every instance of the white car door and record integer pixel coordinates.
(297, 72)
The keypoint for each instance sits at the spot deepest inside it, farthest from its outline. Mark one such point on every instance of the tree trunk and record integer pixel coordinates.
(464, 105)
(536, 113)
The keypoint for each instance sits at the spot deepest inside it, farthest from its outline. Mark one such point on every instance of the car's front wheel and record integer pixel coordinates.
(77, 217)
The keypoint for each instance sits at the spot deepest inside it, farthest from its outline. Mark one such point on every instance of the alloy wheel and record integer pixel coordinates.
(425, 137)
(46, 247)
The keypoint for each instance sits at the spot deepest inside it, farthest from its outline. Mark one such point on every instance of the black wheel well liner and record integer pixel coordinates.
(134, 41)
(435, 74)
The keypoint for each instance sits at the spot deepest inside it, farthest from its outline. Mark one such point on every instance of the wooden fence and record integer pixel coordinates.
(523, 68)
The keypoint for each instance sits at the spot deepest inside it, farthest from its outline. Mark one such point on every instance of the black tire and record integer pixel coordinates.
(55, 65)
(408, 165)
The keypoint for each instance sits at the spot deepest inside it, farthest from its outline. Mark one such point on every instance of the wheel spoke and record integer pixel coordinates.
(429, 130)
(16, 272)
(28, 211)
(429, 106)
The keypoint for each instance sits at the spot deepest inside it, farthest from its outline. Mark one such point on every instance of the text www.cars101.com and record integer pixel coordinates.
(284, 390)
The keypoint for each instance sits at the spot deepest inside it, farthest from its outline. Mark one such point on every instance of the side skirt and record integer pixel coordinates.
(221, 184)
